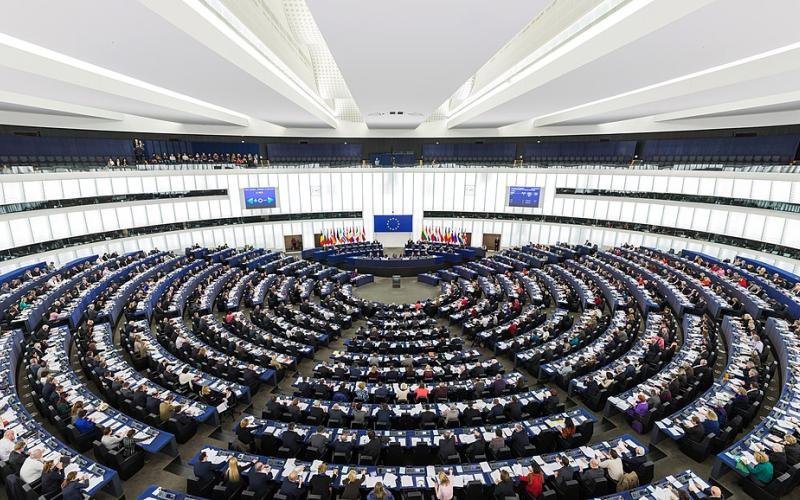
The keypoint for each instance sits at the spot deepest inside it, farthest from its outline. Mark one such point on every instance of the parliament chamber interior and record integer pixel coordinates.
(359, 250)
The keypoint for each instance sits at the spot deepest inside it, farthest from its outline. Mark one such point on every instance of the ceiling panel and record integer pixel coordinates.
(722, 32)
(412, 55)
(126, 37)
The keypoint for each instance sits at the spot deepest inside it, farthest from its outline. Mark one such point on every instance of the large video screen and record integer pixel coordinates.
(393, 223)
(523, 196)
(264, 197)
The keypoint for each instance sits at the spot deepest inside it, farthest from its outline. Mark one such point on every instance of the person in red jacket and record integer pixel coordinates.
(533, 481)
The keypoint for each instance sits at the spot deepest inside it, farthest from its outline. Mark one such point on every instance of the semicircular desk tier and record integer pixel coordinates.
(554, 371)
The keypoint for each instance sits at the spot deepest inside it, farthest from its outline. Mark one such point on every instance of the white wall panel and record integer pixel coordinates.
(413, 191)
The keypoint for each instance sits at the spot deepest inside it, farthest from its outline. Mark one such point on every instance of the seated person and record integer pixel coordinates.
(83, 424)
(761, 470)
(259, 479)
(320, 483)
(291, 486)
(203, 469)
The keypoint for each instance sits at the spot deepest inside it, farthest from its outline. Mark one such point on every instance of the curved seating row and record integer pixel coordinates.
(34, 436)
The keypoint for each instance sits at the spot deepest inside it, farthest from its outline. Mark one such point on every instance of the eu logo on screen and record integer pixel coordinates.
(260, 198)
(393, 223)
(522, 196)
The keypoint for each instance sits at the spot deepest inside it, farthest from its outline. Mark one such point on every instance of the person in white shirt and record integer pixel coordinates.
(185, 378)
(32, 466)
(109, 440)
(613, 465)
(7, 445)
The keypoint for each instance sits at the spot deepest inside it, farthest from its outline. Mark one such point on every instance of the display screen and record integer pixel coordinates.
(260, 198)
(522, 196)
(394, 223)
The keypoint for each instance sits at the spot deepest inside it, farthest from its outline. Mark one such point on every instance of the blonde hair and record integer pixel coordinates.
(379, 492)
(761, 457)
(789, 439)
(711, 415)
(233, 470)
(351, 476)
(322, 468)
(443, 479)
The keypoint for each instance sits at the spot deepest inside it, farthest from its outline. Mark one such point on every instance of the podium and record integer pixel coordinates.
(395, 281)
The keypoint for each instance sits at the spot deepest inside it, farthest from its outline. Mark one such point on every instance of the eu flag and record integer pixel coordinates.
(393, 223)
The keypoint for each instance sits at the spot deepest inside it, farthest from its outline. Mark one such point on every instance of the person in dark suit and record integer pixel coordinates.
(203, 469)
(565, 473)
(514, 409)
(519, 440)
(496, 410)
(71, 488)
(792, 449)
(317, 412)
(478, 447)
(593, 472)
(291, 439)
(140, 397)
(52, 477)
(695, 431)
(753, 393)
(470, 413)
(427, 416)
(273, 408)
(498, 385)
(259, 479)
(505, 487)
(777, 457)
(291, 487)
(344, 444)
(384, 414)
(635, 462)
(320, 483)
(318, 440)
(244, 433)
(551, 403)
(447, 446)
(373, 447)
(153, 404)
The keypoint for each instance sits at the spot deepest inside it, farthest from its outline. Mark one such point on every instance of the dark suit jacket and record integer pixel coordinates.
(373, 448)
(476, 448)
(258, 482)
(447, 447)
(291, 440)
(504, 489)
(519, 440)
(51, 482)
(291, 490)
(695, 433)
(590, 474)
(204, 470)
(633, 464)
(320, 485)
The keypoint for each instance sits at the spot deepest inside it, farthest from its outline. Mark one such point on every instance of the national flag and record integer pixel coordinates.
(363, 234)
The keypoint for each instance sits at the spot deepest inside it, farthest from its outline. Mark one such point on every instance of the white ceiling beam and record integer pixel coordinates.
(622, 27)
(243, 49)
(768, 63)
(743, 106)
(25, 56)
(57, 106)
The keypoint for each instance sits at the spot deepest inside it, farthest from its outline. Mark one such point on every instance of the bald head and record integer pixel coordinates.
(716, 492)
